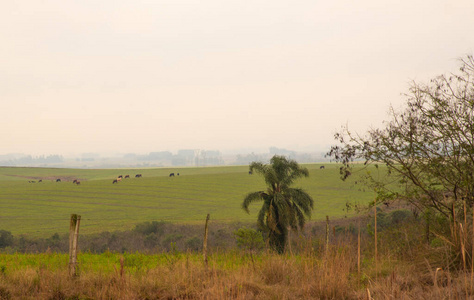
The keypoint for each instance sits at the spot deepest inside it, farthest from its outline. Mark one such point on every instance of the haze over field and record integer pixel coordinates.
(142, 76)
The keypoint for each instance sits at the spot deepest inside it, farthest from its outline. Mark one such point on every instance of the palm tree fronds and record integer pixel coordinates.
(252, 197)
(302, 199)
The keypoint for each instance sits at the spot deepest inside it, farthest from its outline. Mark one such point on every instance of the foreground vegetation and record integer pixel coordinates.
(406, 267)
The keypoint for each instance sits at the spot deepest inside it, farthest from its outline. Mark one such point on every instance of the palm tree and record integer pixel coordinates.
(283, 207)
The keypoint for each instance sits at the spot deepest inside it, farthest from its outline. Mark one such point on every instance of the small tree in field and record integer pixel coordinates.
(428, 148)
(283, 207)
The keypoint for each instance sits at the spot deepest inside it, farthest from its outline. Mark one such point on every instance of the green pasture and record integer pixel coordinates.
(108, 262)
(42, 209)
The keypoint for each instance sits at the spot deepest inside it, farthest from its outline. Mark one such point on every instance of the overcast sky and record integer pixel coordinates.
(142, 76)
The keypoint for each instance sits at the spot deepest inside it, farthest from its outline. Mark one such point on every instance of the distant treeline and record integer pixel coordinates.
(28, 160)
(182, 158)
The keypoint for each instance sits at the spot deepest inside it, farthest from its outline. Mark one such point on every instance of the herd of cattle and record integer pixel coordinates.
(120, 177)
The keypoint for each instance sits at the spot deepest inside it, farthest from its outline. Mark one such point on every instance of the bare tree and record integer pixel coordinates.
(427, 148)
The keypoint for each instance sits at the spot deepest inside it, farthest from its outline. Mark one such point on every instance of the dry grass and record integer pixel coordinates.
(407, 268)
(266, 276)
(237, 276)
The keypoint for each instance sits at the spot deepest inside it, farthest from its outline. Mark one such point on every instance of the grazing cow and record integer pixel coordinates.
(119, 179)
(127, 176)
(250, 173)
(115, 181)
(58, 180)
(74, 181)
(171, 174)
(138, 175)
(178, 174)
(32, 181)
(78, 182)
(41, 180)
(322, 167)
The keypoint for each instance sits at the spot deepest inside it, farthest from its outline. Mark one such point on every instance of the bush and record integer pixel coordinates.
(249, 239)
(172, 238)
(151, 240)
(6, 238)
(399, 216)
(150, 227)
(194, 244)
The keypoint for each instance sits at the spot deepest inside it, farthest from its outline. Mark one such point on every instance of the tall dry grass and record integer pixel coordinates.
(234, 276)
(406, 268)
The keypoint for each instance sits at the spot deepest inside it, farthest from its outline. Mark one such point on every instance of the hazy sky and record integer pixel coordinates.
(140, 76)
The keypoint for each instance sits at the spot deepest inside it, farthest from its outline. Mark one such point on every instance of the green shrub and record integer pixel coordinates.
(400, 216)
(151, 240)
(172, 238)
(194, 244)
(249, 239)
(150, 227)
(6, 239)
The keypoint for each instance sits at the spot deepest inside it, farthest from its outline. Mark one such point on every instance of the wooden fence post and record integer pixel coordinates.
(375, 236)
(327, 233)
(358, 252)
(204, 245)
(73, 238)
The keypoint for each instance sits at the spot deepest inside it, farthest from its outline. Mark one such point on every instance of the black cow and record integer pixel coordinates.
(171, 174)
(178, 174)
(322, 167)
(74, 181)
(120, 176)
(138, 175)
(115, 181)
(78, 182)
(58, 180)
(127, 176)
(40, 180)
(250, 172)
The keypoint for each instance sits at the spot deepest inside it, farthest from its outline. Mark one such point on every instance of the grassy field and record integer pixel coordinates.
(41, 209)
(311, 273)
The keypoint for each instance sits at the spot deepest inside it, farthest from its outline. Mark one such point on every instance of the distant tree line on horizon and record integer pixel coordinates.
(28, 160)
(183, 157)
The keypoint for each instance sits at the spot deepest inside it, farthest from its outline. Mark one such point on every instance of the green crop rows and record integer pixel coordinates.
(41, 209)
